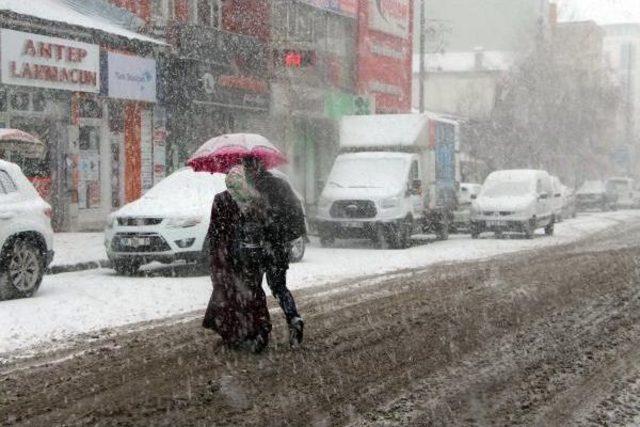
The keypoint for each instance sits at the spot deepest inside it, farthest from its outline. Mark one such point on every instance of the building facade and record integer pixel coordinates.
(621, 46)
(89, 93)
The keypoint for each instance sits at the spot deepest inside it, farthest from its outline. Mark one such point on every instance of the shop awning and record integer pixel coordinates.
(89, 14)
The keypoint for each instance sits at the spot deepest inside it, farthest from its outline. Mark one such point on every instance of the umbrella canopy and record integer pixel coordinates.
(17, 141)
(221, 153)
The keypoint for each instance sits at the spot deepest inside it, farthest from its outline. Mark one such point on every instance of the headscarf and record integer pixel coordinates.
(239, 188)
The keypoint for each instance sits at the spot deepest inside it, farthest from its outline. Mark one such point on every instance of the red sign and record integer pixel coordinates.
(384, 55)
(293, 59)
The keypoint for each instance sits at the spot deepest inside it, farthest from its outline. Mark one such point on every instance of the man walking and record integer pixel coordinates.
(285, 223)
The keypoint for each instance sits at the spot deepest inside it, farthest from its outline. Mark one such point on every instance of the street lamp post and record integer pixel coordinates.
(422, 53)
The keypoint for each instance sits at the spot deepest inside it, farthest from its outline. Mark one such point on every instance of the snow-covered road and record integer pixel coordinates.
(75, 303)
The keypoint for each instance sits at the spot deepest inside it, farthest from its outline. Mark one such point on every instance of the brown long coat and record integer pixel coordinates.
(237, 310)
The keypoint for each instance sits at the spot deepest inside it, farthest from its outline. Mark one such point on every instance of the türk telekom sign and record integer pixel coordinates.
(48, 62)
(390, 17)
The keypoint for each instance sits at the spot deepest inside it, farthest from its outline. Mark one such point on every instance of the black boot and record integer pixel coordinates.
(296, 331)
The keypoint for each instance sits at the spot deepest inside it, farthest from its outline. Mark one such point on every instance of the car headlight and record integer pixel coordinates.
(324, 202)
(184, 222)
(391, 202)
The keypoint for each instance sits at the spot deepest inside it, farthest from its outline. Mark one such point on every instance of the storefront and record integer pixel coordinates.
(81, 102)
(41, 76)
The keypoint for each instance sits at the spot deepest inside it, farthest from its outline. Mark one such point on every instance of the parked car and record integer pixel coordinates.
(569, 207)
(462, 216)
(169, 223)
(26, 237)
(514, 201)
(595, 195)
(624, 189)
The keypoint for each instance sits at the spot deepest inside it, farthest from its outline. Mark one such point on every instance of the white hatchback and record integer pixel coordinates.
(169, 223)
(26, 236)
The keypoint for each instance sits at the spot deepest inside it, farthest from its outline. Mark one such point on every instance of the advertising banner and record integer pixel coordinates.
(49, 62)
(131, 77)
(390, 17)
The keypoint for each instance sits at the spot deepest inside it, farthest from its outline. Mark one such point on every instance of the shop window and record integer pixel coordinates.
(279, 19)
(39, 102)
(300, 24)
(205, 13)
(20, 101)
(89, 108)
(162, 11)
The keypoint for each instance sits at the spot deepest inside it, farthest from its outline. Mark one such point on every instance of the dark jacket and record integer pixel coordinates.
(285, 216)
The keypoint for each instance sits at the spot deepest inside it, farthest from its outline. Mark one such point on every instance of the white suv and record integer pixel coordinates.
(26, 237)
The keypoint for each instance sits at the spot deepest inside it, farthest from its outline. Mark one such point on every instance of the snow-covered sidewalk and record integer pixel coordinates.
(70, 304)
(78, 248)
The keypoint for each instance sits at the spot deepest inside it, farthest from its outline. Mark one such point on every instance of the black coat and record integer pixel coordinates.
(285, 216)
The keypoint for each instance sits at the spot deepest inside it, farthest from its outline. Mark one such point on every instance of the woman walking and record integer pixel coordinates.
(237, 310)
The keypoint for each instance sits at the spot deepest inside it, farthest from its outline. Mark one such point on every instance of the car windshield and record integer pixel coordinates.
(368, 173)
(497, 189)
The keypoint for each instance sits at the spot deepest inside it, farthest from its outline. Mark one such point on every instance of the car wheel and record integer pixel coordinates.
(296, 252)
(443, 230)
(126, 267)
(22, 270)
(548, 230)
(529, 229)
(474, 229)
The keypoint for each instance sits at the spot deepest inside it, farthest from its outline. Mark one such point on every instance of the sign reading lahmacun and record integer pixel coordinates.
(49, 62)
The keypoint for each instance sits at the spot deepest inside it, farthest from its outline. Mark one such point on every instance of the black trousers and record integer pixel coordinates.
(277, 281)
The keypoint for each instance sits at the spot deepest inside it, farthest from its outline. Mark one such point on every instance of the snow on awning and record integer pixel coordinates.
(90, 14)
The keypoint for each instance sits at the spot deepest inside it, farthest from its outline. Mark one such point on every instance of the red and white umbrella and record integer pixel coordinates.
(23, 143)
(221, 153)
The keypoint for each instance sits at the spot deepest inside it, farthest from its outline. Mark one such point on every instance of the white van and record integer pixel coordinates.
(514, 201)
(395, 175)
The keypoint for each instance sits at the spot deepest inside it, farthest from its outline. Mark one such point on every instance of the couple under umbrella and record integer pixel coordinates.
(252, 226)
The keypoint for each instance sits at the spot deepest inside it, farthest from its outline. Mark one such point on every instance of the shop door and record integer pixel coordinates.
(92, 206)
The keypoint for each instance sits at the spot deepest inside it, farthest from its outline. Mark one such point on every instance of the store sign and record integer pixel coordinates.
(390, 17)
(131, 77)
(48, 62)
(220, 86)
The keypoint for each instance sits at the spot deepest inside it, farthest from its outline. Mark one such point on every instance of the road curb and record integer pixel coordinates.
(81, 266)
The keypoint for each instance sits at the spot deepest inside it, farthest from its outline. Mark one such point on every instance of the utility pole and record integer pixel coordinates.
(422, 53)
